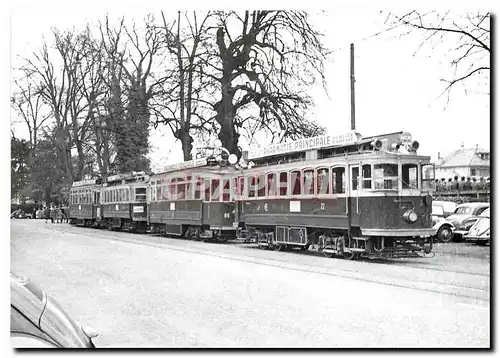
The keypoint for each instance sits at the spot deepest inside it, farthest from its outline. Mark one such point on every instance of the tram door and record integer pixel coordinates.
(354, 199)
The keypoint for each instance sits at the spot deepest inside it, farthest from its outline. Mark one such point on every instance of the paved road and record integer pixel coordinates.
(145, 291)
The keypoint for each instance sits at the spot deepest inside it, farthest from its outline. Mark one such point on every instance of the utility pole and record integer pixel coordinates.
(353, 116)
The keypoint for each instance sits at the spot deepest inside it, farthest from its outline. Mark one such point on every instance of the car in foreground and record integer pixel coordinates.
(443, 228)
(464, 216)
(20, 214)
(479, 233)
(38, 321)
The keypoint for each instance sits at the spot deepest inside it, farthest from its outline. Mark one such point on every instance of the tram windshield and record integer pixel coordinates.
(386, 176)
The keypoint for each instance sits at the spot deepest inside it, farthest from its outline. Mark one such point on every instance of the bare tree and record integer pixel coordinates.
(183, 89)
(28, 103)
(264, 61)
(464, 37)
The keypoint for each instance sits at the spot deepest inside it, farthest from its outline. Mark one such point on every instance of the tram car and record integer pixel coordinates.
(195, 199)
(84, 202)
(350, 196)
(124, 202)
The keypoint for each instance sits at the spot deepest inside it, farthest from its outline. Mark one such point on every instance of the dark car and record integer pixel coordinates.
(465, 216)
(37, 320)
(479, 233)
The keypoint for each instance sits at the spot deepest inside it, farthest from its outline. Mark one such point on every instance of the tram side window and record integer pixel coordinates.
(355, 177)
(251, 180)
(198, 188)
(271, 184)
(158, 190)
(295, 180)
(338, 180)
(226, 190)
(181, 190)
(367, 176)
(409, 176)
(428, 172)
(215, 192)
(241, 186)
(261, 186)
(207, 189)
(140, 194)
(308, 181)
(322, 181)
(165, 187)
(189, 188)
(283, 184)
(385, 176)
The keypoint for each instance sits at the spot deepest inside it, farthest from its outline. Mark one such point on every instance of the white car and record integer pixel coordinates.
(443, 228)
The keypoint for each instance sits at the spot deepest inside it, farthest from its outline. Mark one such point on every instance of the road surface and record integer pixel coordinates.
(150, 291)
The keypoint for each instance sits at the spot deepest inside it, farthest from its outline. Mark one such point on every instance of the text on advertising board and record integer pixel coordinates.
(305, 144)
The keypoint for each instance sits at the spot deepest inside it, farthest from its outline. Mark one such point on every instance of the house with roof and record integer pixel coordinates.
(472, 162)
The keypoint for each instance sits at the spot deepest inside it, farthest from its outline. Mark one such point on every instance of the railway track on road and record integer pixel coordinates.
(462, 284)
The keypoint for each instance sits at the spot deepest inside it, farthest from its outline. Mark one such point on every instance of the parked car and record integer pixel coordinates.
(444, 228)
(479, 233)
(19, 214)
(465, 216)
(37, 320)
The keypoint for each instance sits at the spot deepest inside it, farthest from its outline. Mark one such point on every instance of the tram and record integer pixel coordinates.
(84, 202)
(351, 196)
(195, 199)
(124, 202)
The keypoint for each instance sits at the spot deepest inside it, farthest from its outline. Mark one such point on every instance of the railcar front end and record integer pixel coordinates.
(365, 198)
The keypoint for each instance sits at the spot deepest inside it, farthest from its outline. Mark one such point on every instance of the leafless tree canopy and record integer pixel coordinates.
(464, 38)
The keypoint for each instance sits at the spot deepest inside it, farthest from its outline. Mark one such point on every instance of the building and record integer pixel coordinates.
(473, 162)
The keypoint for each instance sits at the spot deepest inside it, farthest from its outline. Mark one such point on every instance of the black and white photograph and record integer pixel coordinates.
(229, 177)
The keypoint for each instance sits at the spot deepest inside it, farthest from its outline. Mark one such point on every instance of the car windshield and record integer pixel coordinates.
(463, 210)
(486, 213)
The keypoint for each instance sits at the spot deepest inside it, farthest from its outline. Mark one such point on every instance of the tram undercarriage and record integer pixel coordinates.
(339, 244)
(196, 233)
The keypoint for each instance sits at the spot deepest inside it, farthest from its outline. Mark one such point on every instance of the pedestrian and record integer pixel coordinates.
(46, 214)
(474, 184)
(461, 184)
(481, 184)
(449, 185)
(443, 184)
(52, 213)
(455, 184)
(58, 215)
(468, 184)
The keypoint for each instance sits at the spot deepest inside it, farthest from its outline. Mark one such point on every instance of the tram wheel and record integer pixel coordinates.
(328, 254)
(279, 247)
(351, 255)
(304, 248)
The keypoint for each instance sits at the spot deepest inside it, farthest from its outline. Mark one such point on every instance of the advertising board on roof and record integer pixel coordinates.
(184, 165)
(323, 141)
(84, 182)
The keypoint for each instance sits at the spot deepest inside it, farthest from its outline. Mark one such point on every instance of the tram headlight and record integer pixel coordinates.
(411, 216)
(233, 159)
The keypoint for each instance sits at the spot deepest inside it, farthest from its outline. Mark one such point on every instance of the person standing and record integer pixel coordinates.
(52, 213)
(46, 214)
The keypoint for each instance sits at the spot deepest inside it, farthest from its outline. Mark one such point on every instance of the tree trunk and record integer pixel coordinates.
(226, 113)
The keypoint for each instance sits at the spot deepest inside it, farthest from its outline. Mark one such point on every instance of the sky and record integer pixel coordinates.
(395, 89)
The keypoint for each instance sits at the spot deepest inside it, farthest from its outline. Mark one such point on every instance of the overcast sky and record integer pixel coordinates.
(395, 89)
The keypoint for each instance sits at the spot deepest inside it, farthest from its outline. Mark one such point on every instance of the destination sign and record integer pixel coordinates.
(185, 165)
(84, 182)
(323, 141)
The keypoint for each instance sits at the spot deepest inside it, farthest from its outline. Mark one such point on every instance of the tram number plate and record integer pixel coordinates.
(138, 209)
